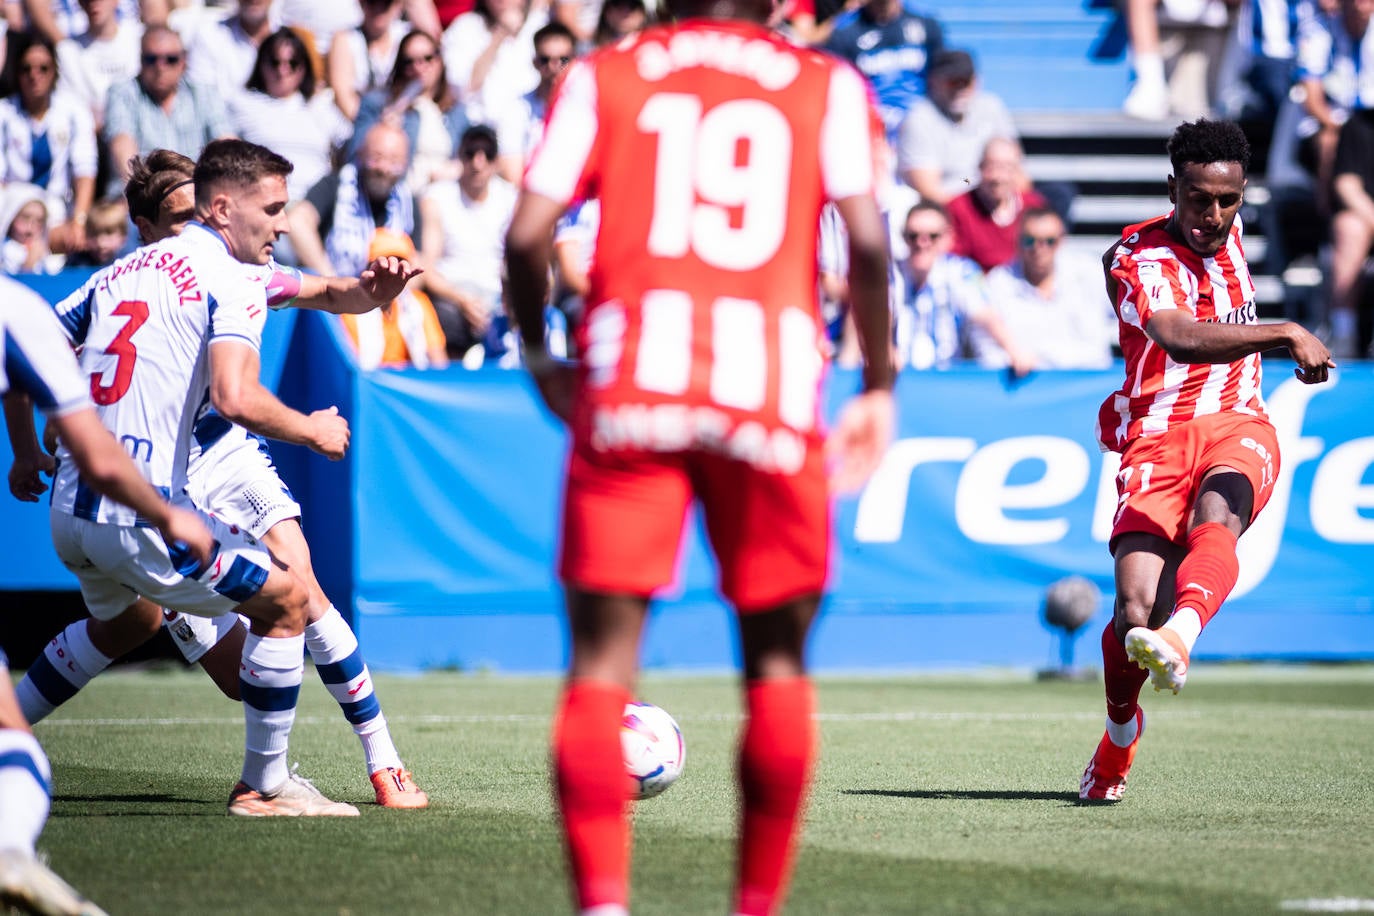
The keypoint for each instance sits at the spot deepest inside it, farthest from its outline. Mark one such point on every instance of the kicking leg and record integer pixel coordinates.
(339, 661)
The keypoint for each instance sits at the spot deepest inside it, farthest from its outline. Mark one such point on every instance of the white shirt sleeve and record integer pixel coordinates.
(558, 162)
(35, 354)
(846, 151)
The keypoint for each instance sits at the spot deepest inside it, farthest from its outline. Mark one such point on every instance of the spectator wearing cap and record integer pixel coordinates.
(462, 244)
(892, 47)
(943, 135)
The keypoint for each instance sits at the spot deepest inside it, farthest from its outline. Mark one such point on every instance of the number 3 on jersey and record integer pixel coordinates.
(700, 180)
(126, 354)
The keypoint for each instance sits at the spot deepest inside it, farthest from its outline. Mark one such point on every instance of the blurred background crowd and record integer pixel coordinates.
(409, 122)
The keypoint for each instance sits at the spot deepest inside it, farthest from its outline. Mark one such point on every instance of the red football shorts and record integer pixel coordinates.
(1160, 475)
(624, 512)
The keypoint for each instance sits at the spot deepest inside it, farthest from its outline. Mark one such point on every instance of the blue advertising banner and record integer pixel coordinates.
(991, 492)
(438, 532)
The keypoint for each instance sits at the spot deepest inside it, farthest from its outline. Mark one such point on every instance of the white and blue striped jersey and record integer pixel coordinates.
(145, 324)
(35, 358)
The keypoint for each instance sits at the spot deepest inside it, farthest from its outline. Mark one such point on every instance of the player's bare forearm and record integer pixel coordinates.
(239, 396)
(19, 424)
(382, 281)
(868, 292)
(529, 246)
(1202, 342)
(30, 461)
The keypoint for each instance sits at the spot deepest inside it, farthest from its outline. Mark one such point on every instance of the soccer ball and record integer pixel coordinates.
(653, 748)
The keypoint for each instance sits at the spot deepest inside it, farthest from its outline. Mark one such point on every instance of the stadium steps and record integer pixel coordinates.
(1119, 167)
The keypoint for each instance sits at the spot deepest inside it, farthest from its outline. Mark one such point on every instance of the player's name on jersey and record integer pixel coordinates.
(177, 269)
(1244, 314)
(762, 61)
(683, 427)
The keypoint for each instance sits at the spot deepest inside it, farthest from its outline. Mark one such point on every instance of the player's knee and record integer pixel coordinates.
(1132, 611)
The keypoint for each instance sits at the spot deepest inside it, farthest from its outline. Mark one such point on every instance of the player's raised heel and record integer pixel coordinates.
(31, 886)
(396, 788)
(297, 797)
(1104, 778)
(1160, 652)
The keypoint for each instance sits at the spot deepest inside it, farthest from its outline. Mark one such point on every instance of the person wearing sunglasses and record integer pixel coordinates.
(555, 48)
(1050, 303)
(47, 139)
(160, 108)
(281, 109)
(941, 293)
(418, 99)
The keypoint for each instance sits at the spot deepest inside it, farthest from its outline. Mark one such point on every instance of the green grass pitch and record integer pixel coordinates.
(1253, 793)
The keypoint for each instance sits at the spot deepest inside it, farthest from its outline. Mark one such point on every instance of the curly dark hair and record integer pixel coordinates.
(1205, 141)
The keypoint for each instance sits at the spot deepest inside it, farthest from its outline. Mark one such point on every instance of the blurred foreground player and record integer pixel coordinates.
(1198, 454)
(711, 145)
(35, 361)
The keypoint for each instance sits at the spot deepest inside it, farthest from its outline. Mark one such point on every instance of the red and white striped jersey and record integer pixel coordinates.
(711, 146)
(1155, 271)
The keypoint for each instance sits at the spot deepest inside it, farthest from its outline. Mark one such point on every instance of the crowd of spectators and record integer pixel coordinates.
(410, 121)
(1299, 75)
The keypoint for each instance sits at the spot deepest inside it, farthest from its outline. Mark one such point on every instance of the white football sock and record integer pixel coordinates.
(334, 649)
(1123, 733)
(1149, 70)
(24, 790)
(269, 682)
(1187, 624)
(67, 664)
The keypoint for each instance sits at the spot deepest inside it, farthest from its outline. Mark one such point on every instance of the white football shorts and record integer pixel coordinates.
(195, 636)
(116, 563)
(236, 480)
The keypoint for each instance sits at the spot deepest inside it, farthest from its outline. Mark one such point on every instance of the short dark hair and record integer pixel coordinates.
(1205, 141)
(235, 162)
(479, 134)
(928, 206)
(152, 178)
(554, 29)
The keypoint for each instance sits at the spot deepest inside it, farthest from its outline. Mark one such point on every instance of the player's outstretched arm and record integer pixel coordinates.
(381, 281)
(238, 394)
(110, 472)
(30, 461)
(529, 246)
(1189, 341)
(864, 428)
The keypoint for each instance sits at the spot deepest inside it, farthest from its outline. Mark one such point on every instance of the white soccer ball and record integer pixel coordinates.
(653, 748)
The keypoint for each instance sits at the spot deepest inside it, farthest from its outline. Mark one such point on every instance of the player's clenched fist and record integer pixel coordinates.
(329, 433)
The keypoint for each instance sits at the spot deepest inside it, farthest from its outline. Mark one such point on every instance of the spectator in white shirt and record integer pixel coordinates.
(221, 55)
(1051, 305)
(103, 55)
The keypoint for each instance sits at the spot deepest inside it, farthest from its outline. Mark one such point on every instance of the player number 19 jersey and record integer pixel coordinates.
(711, 147)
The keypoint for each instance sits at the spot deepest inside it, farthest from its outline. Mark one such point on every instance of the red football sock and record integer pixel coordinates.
(1209, 571)
(776, 753)
(1123, 678)
(593, 790)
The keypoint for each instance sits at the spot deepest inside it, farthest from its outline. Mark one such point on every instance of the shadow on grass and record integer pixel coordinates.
(969, 794)
(147, 804)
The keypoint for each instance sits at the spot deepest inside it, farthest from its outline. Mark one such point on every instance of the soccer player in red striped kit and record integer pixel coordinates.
(1198, 453)
(711, 144)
